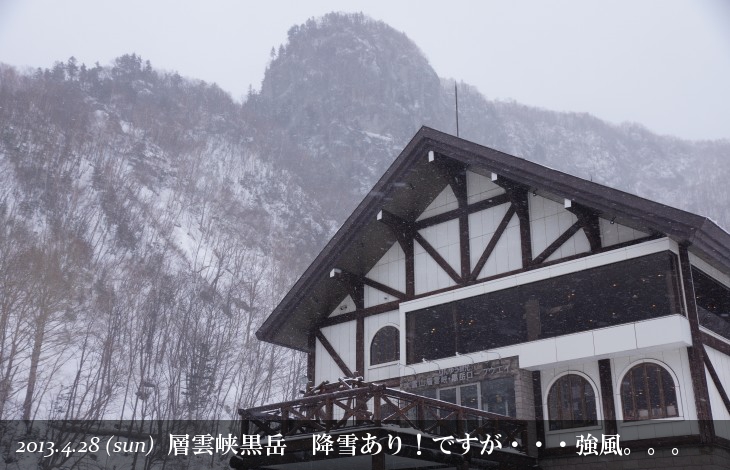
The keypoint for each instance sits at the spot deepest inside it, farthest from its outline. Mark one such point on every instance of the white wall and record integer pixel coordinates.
(347, 305)
(389, 270)
(444, 202)
(612, 234)
(480, 188)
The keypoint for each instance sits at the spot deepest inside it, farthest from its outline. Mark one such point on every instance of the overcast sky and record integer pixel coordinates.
(662, 63)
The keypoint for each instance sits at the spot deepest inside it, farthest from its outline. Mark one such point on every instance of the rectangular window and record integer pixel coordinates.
(498, 396)
(632, 290)
(713, 303)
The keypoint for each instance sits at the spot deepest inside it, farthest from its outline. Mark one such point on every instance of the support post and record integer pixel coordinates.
(696, 352)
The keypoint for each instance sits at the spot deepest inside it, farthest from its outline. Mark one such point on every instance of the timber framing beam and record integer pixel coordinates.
(492, 242)
(589, 221)
(455, 174)
(539, 411)
(350, 316)
(609, 407)
(494, 201)
(437, 257)
(518, 194)
(696, 353)
(393, 305)
(357, 283)
(328, 346)
(715, 343)
(405, 231)
(312, 344)
(718, 383)
(354, 286)
(553, 247)
(402, 231)
(360, 346)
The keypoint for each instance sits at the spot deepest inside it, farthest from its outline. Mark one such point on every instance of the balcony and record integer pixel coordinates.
(410, 430)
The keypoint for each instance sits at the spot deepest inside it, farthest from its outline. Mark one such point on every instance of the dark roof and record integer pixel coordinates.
(408, 187)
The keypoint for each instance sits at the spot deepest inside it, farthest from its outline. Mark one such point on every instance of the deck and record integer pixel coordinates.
(410, 430)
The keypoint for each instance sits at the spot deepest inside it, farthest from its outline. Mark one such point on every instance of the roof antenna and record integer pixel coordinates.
(456, 98)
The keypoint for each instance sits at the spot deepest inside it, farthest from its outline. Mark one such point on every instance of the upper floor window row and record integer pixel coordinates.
(624, 292)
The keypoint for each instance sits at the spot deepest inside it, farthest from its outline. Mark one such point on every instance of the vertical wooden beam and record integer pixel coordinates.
(358, 295)
(592, 229)
(360, 346)
(609, 406)
(460, 191)
(519, 195)
(590, 224)
(407, 247)
(696, 352)
(312, 346)
(539, 412)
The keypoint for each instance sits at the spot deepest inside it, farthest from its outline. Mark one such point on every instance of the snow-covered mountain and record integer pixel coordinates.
(347, 93)
(148, 222)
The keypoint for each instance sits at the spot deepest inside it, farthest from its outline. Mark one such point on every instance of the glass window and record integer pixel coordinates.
(385, 346)
(713, 303)
(498, 396)
(648, 392)
(464, 395)
(571, 403)
(629, 291)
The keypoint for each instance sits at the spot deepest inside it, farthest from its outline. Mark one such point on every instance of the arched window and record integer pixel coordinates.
(385, 346)
(571, 403)
(648, 392)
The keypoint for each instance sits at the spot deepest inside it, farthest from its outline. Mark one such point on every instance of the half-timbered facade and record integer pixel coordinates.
(481, 281)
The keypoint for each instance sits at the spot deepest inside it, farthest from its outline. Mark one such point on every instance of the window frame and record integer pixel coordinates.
(397, 347)
(677, 395)
(596, 394)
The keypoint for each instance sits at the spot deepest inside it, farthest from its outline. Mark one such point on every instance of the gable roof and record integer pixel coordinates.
(410, 184)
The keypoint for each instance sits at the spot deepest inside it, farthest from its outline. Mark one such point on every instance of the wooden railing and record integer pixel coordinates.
(378, 406)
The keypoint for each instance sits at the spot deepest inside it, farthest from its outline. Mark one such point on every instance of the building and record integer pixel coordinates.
(513, 300)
